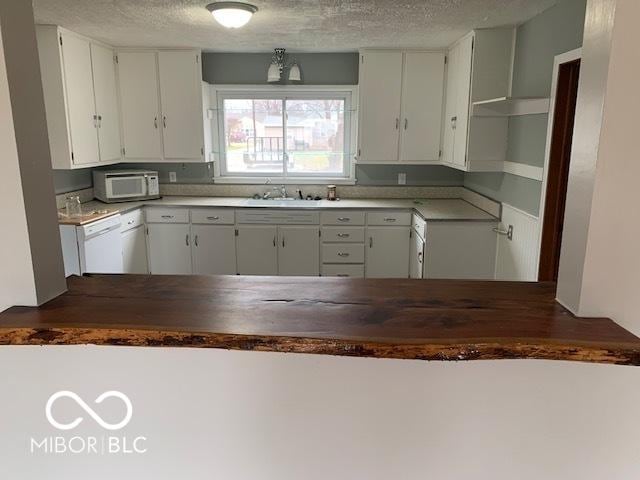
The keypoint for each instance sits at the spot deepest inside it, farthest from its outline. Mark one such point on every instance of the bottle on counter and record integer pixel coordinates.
(331, 192)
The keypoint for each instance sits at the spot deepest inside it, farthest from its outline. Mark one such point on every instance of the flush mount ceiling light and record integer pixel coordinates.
(232, 14)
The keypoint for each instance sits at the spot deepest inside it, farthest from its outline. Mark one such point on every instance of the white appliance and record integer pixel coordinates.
(125, 185)
(92, 248)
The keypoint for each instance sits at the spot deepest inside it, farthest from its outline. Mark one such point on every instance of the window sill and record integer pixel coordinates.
(284, 181)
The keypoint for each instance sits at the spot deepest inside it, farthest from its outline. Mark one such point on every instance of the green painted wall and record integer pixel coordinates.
(556, 30)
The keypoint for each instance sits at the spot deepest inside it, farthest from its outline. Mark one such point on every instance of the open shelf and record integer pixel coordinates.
(510, 106)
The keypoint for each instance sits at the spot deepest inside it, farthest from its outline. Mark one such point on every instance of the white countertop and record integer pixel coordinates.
(429, 209)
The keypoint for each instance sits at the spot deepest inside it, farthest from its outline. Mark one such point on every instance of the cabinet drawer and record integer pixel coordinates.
(220, 216)
(131, 220)
(344, 253)
(419, 225)
(342, 217)
(343, 234)
(343, 271)
(389, 218)
(167, 215)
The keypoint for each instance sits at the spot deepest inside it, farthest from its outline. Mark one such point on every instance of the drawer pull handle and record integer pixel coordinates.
(344, 219)
(343, 254)
(167, 216)
(419, 257)
(389, 219)
(370, 242)
(195, 240)
(344, 235)
(342, 275)
(216, 217)
(186, 241)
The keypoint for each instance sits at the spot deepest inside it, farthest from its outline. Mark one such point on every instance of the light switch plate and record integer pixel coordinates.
(402, 179)
(173, 177)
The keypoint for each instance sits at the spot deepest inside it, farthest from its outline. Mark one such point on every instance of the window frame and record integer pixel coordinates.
(288, 92)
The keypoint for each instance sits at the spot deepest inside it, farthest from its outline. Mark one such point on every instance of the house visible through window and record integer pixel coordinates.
(302, 135)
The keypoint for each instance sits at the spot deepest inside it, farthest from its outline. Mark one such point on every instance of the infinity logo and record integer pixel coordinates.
(89, 410)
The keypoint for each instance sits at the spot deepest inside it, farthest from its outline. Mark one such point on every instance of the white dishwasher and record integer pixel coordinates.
(92, 248)
(100, 246)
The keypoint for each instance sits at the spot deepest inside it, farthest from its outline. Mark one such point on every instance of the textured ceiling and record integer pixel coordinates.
(298, 25)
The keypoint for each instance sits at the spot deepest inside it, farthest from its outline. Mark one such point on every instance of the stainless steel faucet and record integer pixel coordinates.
(283, 191)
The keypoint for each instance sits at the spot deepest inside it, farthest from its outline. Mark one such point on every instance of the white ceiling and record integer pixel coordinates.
(298, 25)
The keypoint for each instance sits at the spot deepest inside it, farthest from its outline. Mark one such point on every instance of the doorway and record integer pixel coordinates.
(555, 192)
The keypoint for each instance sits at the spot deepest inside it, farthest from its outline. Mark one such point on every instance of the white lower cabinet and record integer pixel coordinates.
(299, 250)
(134, 251)
(387, 252)
(257, 250)
(416, 256)
(169, 248)
(214, 249)
(460, 250)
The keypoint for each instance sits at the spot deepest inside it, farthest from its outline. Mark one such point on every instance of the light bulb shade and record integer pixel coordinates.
(232, 14)
(294, 73)
(273, 75)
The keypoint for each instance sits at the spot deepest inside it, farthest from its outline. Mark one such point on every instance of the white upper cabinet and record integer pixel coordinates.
(78, 80)
(380, 90)
(401, 101)
(140, 105)
(106, 88)
(162, 105)
(479, 68)
(422, 100)
(181, 101)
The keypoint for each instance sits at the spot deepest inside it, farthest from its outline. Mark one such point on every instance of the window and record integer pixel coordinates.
(297, 135)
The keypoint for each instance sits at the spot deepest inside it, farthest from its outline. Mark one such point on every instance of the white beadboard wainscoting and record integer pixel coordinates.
(517, 259)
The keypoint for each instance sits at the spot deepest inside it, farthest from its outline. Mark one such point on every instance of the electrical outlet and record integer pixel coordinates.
(402, 179)
(172, 177)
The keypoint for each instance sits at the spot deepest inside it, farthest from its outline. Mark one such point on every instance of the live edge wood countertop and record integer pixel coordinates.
(410, 319)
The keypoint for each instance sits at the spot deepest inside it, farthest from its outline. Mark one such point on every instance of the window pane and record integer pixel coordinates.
(315, 136)
(253, 130)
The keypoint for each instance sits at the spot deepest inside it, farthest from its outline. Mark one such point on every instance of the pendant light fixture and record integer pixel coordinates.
(278, 66)
(232, 14)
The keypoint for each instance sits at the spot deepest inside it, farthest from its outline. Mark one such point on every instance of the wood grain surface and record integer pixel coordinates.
(387, 318)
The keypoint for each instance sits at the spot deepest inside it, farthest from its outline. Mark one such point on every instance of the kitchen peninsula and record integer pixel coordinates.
(401, 319)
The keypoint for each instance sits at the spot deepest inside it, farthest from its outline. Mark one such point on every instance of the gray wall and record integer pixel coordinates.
(251, 68)
(556, 30)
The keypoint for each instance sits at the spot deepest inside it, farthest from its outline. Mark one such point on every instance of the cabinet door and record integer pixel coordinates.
(463, 98)
(257, 251)
(181, 101)
(422, 99)
(451, 106)
(416, 257)
(387, 252)
(380, 86)
(169, 248)
(134, 251)
(214, 249)
(299, 250)
(104, 83)
(138, 80)
(81, 109)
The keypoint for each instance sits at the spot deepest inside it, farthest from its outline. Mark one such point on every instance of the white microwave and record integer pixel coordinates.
(125, 185)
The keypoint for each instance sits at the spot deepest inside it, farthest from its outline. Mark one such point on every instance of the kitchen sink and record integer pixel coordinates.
(282, 202)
